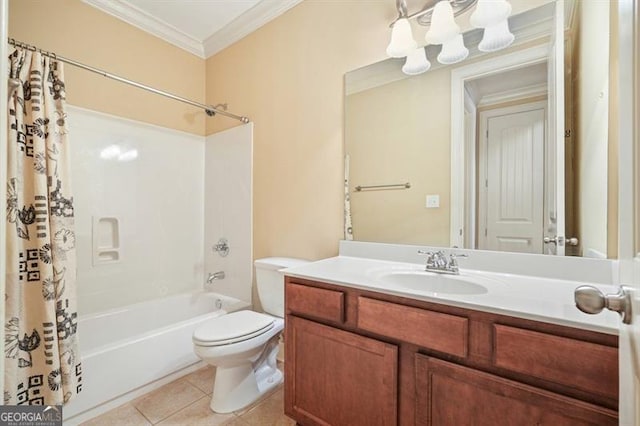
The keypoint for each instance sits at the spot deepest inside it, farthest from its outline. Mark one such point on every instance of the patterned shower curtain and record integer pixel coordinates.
(42, 364)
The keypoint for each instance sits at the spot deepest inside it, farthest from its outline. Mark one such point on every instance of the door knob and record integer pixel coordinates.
(557, 240)
(591, 300)
(573, 241)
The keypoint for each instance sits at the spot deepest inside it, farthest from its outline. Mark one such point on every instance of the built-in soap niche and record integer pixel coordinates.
(106, 240)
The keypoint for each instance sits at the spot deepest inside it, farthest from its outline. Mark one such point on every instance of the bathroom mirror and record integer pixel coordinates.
(477, 154)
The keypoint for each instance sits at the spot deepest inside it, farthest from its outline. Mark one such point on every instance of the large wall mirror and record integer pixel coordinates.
(510, 151)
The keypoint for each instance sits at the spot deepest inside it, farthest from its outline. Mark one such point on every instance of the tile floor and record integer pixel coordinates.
(186, 402)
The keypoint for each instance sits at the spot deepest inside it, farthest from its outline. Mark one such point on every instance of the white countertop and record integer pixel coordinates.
(541, 299)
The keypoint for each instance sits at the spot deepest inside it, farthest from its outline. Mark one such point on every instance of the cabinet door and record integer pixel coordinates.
(337, 378)
(449, 394)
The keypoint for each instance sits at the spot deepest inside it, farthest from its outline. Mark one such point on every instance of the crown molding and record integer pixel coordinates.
(130, 14)
(534, 90)
(254, 18)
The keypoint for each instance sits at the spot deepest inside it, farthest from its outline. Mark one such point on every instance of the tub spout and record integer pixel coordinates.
(215, 276)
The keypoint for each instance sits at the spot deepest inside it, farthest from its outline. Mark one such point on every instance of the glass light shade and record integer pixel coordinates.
(453, 51)
(417, 62)
(402, 42)
(489, 13)
(443, 26)
(496, 37)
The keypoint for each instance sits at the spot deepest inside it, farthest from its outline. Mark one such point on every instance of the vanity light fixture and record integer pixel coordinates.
(446, 32)
(402, 42)
(417, 62)
(490, 15)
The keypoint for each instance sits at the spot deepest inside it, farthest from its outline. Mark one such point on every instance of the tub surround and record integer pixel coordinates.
(127, 171)
(153, 163)
(228, 208)
(519, 353)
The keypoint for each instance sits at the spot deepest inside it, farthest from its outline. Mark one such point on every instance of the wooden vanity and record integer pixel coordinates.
(359, 357)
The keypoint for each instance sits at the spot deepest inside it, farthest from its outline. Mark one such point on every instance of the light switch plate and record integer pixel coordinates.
(433, 201)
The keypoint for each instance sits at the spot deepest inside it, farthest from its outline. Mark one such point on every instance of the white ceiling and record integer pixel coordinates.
(198, 19)
(202, 27)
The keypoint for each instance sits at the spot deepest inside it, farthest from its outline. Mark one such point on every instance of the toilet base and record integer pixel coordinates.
(236, 387)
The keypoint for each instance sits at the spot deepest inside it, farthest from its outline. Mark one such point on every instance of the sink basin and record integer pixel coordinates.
(423, 281)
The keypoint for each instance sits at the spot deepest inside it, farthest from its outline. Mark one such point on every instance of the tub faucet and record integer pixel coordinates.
(215, 276)
(221, 247)
(438, 262)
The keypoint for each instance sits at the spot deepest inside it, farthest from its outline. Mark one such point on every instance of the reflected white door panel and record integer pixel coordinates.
(511, 202)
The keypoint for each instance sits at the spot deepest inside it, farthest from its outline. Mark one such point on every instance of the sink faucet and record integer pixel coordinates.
(437, 262)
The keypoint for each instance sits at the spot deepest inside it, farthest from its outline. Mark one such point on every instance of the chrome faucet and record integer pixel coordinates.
(437, 262)
(215, 276)
(221, 247)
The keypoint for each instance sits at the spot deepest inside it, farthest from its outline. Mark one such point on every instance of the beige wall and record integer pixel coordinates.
(75, 30)
(394, 134)
(288, 78)
(591, 111)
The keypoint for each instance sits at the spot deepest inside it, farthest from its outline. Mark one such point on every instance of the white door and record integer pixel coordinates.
(629, 353)
(554, 173)
(629, 206)
(512, 200)
(629, 210)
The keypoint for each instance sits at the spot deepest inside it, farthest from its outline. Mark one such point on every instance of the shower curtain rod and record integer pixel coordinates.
(211, 111)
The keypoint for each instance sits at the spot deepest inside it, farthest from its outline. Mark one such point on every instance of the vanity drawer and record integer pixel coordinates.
(432, 330)
(574, 363)
(315, 302)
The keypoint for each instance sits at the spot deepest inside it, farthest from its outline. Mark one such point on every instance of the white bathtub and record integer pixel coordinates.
(127, 348)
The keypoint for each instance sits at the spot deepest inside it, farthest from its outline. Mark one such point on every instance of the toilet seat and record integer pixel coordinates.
(232, 328)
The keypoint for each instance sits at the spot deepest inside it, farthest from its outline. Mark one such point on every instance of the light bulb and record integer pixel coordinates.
(489, 13)
(402, 42)
(443, 26)
(496, 37)
(453, 51)
(417, 62)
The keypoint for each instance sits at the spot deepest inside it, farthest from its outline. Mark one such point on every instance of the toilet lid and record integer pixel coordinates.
(232, 328)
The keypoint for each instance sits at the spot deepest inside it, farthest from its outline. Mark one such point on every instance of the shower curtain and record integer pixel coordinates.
(42, 364)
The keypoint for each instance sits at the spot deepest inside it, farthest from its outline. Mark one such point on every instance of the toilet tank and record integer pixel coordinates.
(270, 282)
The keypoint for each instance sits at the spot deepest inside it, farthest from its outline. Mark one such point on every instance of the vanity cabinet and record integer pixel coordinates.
(358, 357)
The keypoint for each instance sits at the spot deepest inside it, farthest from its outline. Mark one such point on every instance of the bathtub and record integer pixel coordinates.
(127, 348)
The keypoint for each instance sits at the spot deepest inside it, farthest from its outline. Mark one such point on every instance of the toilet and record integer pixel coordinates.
(243, 345)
